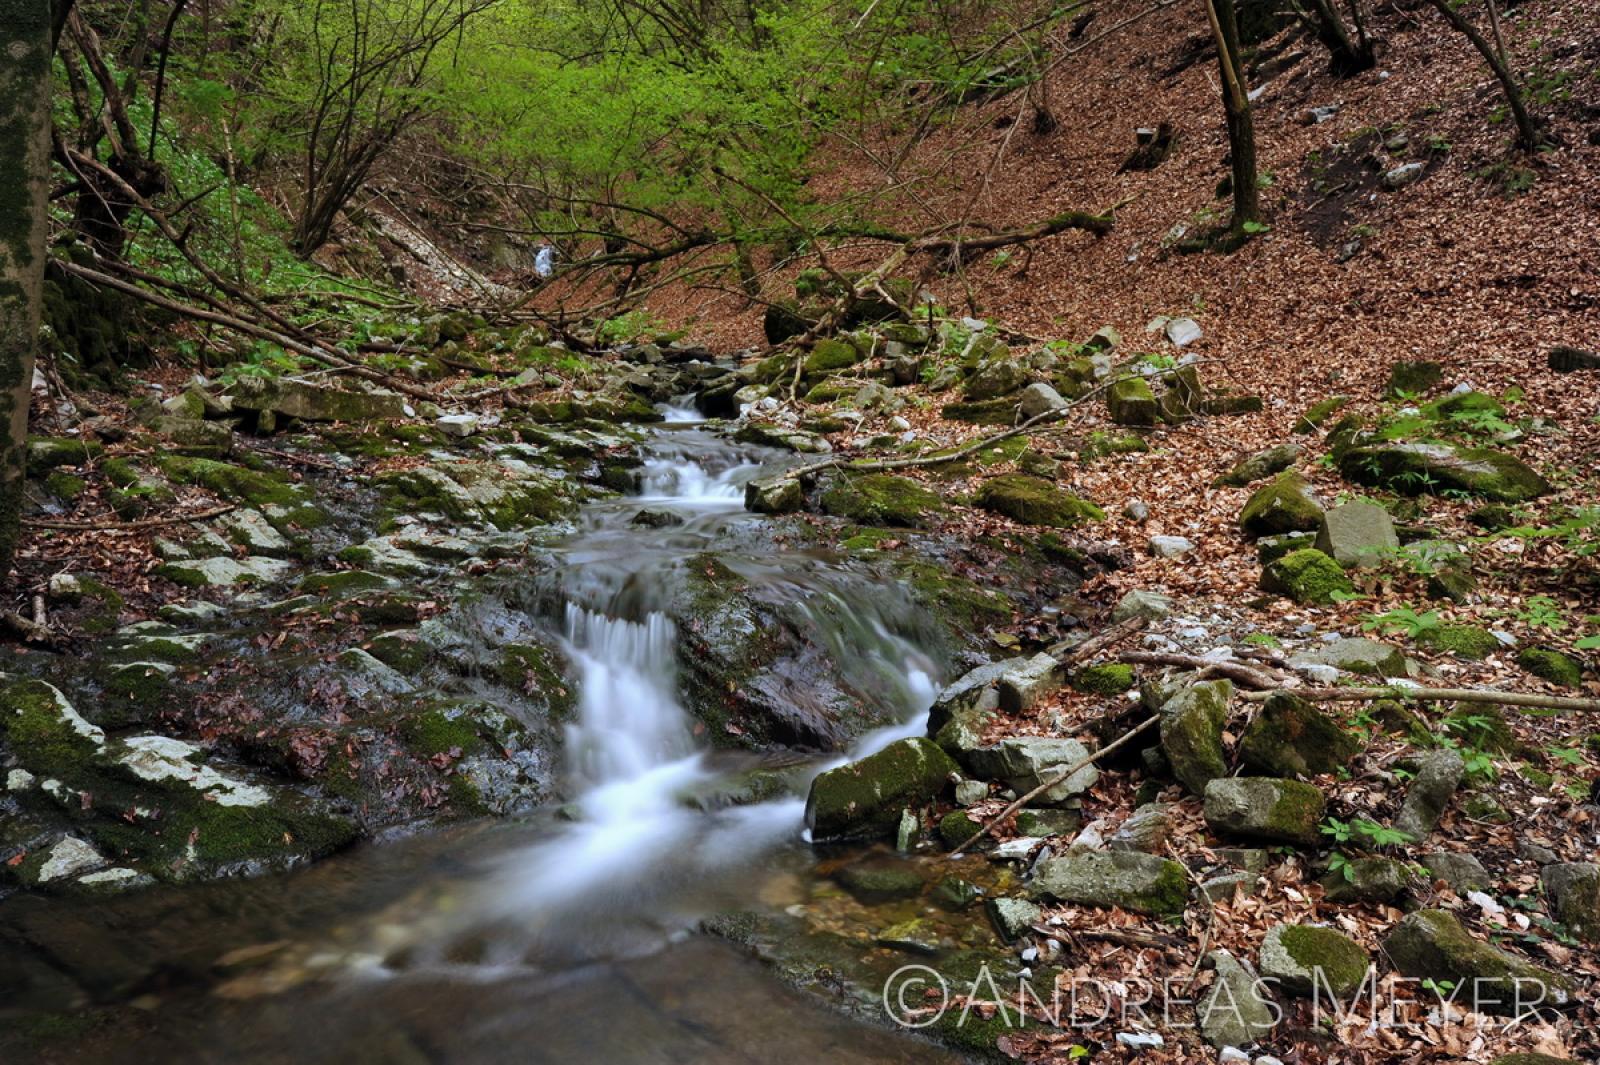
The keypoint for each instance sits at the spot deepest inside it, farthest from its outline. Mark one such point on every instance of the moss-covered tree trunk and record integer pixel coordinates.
(25, 47)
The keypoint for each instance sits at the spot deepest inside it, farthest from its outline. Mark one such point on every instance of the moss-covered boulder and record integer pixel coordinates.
(1035, 501)
(774, 495)
(1432, 945)
(1313, 960)
(1132, 880)
(829, 355)
(314, 401)
(1573, 889)
(1370, 879)
(995, 378)
(1292, 738)
(1261, 464)
(1465, 641)
(1412, 378)
(863, 799)
(1285, 811)
(1306, 576)
(956, 827)
(881, 499)
(1131, 401)
(1552, 666)
(1413, 467)
(1285, 505)
(1191, 726)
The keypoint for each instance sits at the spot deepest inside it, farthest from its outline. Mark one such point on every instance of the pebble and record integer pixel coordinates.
(1170, 546)
(1232, 1054)
(1140, 1040)
(899, 423)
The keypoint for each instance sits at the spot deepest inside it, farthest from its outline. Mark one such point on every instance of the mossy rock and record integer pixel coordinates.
(400, 650)
(956, 827)
(881, 499)
(829, 355)
(1447, 407)
(1285, 811)
(1292, 738)
(863, 799)
(1035, 501)
(1465, 641)
(1130, 401)
(1307, 576)
(1001, 411)
(1192, 721)
(230, 481)
(1312, 960)
(1484, 726)
(1132, 880)
(1286, 505)
(1552, 666)
(1370, 879)
(44, 732)
(1107, 678)
(1413, 467)
(1100, 444)
(1432, 945)
(1408, 378)
(1319, 412)
(440, 731)
(875, 882)
(46, 453)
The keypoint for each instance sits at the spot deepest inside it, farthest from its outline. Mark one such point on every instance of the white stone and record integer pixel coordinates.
(220, 571)
(1015, 850)
(158, 758)
(1321, 674)
(1170, 546)
(251, 529)
(1141, 1040)
(1232, 1055)
(69, 857)
(19, 780)
(64, 586)
(119, 875)
(1183, 331)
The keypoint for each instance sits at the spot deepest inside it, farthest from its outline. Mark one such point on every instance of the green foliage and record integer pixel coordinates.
(1402, 620)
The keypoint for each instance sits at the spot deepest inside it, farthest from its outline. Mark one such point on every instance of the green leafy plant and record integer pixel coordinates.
(1402, 620)
(1543, 612)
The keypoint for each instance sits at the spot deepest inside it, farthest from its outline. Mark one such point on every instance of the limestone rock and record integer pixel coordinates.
(1432, 945)
(1285, 811)
(1191, 732)
(1357, 535)
(1170, 546)
(1237, 1010)
(1313, 960)
(314, 402)
(1357, 654)
(1039, 398)
(1131, 402)
(1461, 871)
(1439, 773)
(1021, 687)
(1025, 762)
(1140, 603)
(1013, 918)
(1574, 892)
(1143, 883)
(1375, 879)
(1283, 506)
(1292, 738)
(1147, 829)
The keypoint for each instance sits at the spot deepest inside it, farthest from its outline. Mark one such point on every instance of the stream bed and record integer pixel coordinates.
(569, 934)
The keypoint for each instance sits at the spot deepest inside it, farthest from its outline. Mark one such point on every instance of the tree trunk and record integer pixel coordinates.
(25, 49)
(1530, 136)
(1236, 105)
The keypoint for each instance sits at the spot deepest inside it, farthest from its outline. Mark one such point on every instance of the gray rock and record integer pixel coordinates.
(1374, 879)
(1147, 829)
(1042, 823)
(1021, 687)
(1462, 872)
(1137, 1041)
(459, 426)
(1013, 918)
(314, 402)
(1313, 960)
(774, 495)
(1182, 332)
(1401, 176)
(1291, 738)
(1222, 888)
(1261, 464)
(1356, 654)
(1136, 510)
(1143, 883)
(1191, 727)
(251, 530)
(1170, 546)
(907, 831)
(67, 857)
(1025, 762)
(372, 673)
(1358, 534)
(1432, 945)
(1104, 339)
(1574, 892)
(1286, 811)
(1038, 398)
(971, 792)
(994, 379)
(1237, 1010)
(221, 571)
(1439, 774)
(1142, 604)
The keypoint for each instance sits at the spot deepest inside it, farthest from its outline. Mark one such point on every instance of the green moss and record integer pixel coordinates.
(1299, 805)
(1108, 678)
(1131, 402)
(400, 651)
(65, 486)
(865, 797)
(1002, 411)
(435, 732)
(1100, 444)
(42, 732)
(224, 834)
(1467, 641)
(356, 555)
(1306, 576)
(962, 604)
(829, 355)
(230, 481)
(1342, 962)
(1290, 737)
(1552, 666)
(1318, 413)
(1285, 505)
(881, 499)
(45, 453)
(956, 827)
(1417, 466)
(1035, 501)
(102, 606)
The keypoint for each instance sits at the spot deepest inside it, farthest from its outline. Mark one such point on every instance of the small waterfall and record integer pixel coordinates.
(680, 410)
(681, 481)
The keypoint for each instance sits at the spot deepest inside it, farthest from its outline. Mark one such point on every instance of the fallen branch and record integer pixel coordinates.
(1070, 654)
(1436, 695)
(127, 526)
(1089, 759)
(28, 630)
(1234, 671)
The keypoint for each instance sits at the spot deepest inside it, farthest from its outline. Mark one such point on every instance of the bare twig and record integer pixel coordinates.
(1437, 695)
(129, 526)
